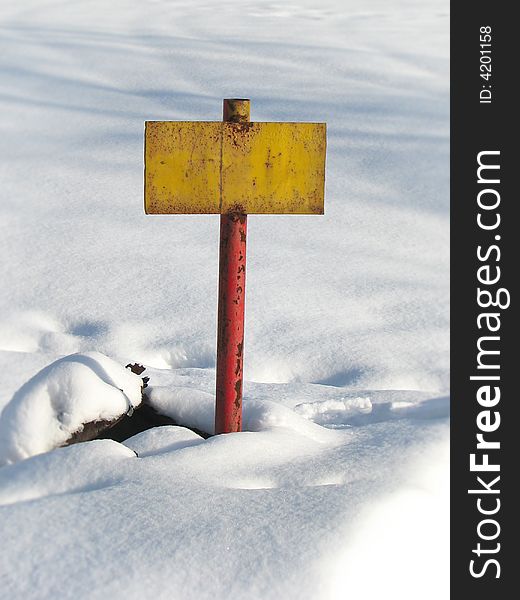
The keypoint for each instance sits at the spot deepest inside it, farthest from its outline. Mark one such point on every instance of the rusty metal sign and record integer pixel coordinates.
(225, 167)
(233, 168)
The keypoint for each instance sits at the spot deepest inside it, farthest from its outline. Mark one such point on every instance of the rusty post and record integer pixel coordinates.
(231, 303)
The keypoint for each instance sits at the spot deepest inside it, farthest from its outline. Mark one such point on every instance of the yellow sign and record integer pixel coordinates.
(223, 167)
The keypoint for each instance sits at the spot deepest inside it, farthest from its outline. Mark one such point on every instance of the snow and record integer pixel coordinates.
(198, 518)
(332, 411)
(55, 403)
(338, 485)
(164, 439)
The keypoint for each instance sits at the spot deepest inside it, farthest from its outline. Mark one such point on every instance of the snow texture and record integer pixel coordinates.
(338, 484)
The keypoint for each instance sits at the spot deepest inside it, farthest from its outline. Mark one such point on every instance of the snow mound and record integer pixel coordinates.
(78, 468)
(327, 412)
(161, 440)
(427, 409)
(353, 411)
(265, 415)
(195, 408)
(59, 400)
(187, 406)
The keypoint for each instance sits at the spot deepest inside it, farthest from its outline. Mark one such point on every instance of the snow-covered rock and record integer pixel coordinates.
(59, 400)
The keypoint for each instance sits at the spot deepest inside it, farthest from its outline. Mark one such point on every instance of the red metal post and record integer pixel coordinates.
(231, 304)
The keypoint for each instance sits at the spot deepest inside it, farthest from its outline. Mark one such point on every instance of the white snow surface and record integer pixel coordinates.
(338, 485)
(60, 399)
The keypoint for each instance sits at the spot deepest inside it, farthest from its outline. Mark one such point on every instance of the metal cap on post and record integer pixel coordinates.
(231, 302)
(236, 110)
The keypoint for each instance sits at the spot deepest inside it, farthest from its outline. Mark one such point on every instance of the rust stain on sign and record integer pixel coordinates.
(222, 167)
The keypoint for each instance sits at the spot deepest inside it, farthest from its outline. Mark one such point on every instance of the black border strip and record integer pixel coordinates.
(481, 127)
